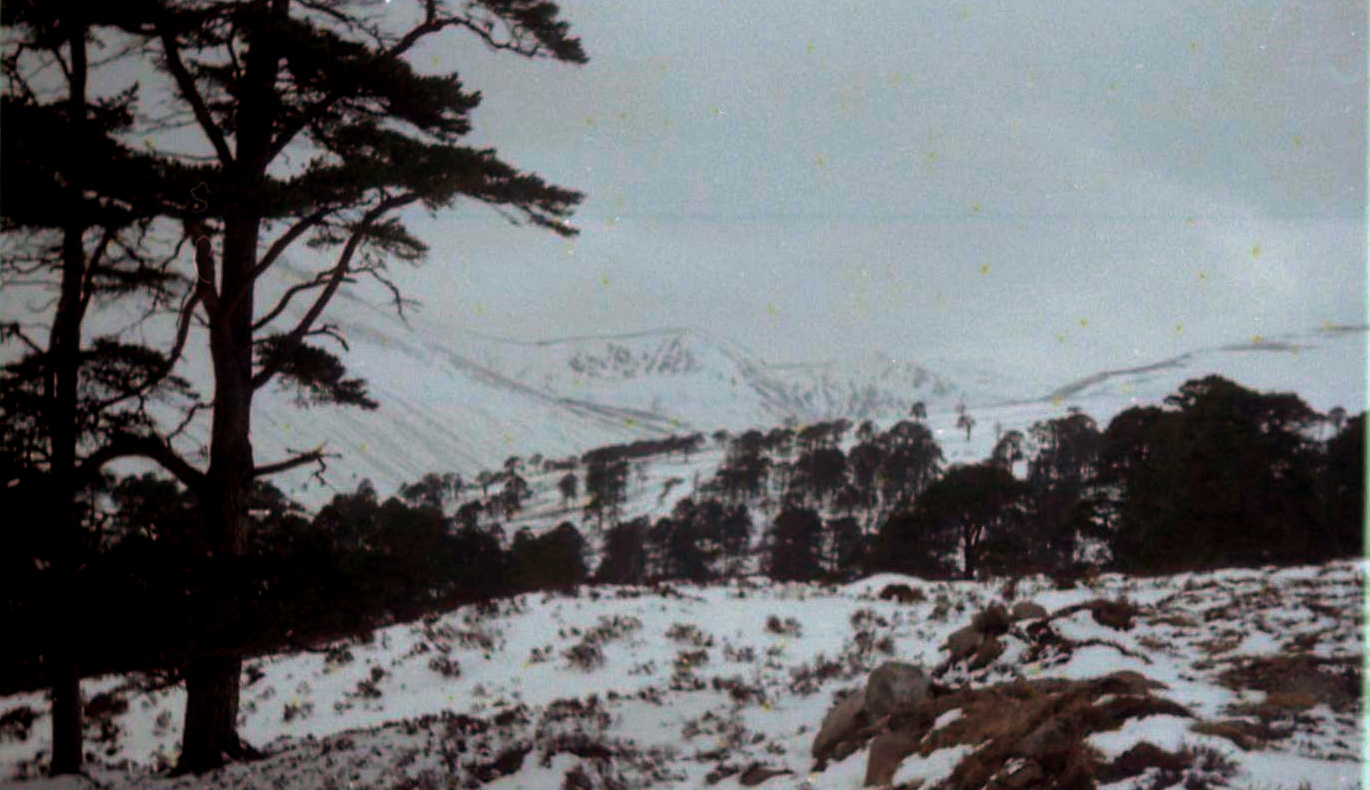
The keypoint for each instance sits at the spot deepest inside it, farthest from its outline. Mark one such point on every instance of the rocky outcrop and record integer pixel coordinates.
(757, 773)
(1028, 610)
(1023, 733)
(992, 621)
(887, 751)
(963, 643)
(1119, 615)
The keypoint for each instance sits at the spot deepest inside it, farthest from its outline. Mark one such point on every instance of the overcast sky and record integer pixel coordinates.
(1065, 185)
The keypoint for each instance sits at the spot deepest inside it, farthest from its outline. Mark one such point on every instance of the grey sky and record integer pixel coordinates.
(1070, 186)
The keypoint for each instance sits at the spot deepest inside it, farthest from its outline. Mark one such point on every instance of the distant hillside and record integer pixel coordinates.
(454, 400)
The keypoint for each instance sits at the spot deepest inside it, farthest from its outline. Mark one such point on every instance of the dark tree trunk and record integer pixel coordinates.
(968, 552)
(212, 679)
(213, 673)
(63, 647)
(65, 360)
(211, 724)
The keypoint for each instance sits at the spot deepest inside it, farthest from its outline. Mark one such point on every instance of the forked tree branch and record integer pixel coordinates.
(15, 329)
(340, 271)
(433, 23)
(273, 253)
(96, 257)
(188, 418)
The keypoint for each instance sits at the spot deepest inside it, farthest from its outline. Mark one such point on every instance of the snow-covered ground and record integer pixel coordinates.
(679, 682)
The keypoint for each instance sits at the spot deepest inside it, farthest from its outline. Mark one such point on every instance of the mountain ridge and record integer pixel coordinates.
(454, 399)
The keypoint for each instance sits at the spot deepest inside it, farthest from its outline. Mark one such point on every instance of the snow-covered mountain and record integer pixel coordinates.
(455, 400)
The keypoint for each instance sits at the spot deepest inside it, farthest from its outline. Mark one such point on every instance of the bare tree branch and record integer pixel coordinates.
(150, 447)
(280, 245)
(396, 296)
(13, 328)
(330, 330)
(340, 271)
(188, 418)
(319, 281)
(432, 23)
(191, 93)
(93, 263)
(317, 455)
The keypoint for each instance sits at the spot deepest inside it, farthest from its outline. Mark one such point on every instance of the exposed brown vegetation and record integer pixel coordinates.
(1139, 759)
(1041, 724)
(1333, 681)
(1119, 615)
(902, 593)
(1246, 735)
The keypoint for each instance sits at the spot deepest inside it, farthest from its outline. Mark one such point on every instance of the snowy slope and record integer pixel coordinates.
(691, 680)
(452, 400)
(1326, 367)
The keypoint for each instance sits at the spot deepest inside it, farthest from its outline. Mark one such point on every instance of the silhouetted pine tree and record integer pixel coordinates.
(793, 551)
(625, 553)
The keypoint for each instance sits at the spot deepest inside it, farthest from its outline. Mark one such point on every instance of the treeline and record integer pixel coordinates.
(1217, 475)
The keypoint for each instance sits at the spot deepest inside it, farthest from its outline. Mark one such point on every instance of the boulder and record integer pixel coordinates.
(1117, 615)
(993, 620)
(985, 654)
(963, 643)
(1028, 610)
(892, 685)
(845, 718)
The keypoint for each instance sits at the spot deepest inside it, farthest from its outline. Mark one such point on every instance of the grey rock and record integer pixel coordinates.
(892, 685)
(845, 718)
(993, 620)
(963, 643)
